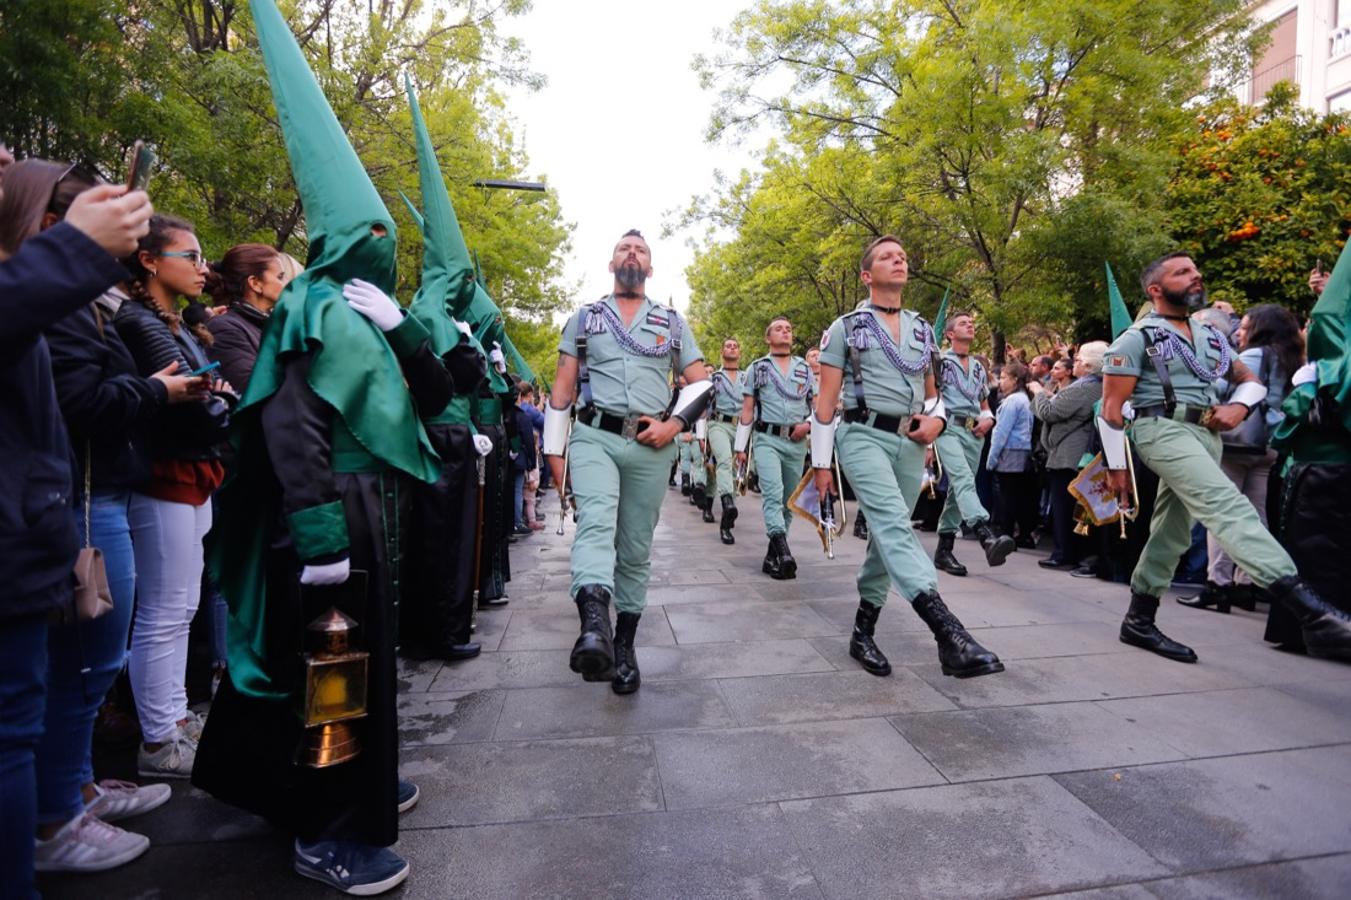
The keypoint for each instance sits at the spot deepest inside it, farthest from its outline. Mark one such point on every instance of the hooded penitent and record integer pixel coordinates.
(1329, 439)
(352, 367)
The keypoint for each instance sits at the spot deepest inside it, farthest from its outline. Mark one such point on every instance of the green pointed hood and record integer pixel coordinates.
(942, 318)
(1121, 314)
(446, 264)
(515, 361)
(486, 319)
(352, 367)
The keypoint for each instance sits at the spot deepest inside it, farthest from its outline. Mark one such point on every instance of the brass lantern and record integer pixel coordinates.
(335, 691)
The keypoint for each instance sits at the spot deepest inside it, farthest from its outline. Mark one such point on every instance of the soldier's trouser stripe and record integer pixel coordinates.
(1192, 486)
(885, 471)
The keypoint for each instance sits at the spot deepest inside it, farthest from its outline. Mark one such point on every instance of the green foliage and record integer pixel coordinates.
(1005, 143)
(1259, 195)
(84, 78)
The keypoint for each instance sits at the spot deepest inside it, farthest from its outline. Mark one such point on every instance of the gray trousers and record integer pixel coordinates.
(1250, 473)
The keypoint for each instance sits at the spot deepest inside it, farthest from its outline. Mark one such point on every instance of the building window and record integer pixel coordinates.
(1340, 103)
(1279, 62)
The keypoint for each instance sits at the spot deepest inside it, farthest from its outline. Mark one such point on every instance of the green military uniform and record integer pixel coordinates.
(782, 402)
(619, 484)
(884, 468)
(1185, 455)
(692, 460)
(964, 388)
(724, 410)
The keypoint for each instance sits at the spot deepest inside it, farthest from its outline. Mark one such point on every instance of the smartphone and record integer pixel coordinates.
(140, 161)
(1318, 266)
(209, 367)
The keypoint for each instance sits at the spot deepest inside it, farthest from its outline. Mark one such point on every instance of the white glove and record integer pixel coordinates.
(498, 358)
(373, 303)
(332, 573)
(483, 444)
(463, 328)
(1305, 374)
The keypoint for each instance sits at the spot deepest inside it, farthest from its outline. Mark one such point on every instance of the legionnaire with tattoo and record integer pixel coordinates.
(1160, 376)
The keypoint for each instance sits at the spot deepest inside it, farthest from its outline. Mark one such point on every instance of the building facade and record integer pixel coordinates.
(1311, 47)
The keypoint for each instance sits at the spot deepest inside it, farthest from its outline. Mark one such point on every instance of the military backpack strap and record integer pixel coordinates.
(676, 331)
(856, 333)
(583, 370)
(1154, 351)
(808, 375)
(758, 376)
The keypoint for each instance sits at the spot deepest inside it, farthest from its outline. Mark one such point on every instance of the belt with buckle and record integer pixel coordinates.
(880, 421)
(627, 427)
(726, 420)
(1188, 413)
(783, 431)
(967, 422)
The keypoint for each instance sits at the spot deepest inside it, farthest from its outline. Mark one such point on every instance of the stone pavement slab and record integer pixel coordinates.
(759, 760)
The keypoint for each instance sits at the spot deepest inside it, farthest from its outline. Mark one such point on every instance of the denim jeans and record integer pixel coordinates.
(83, 662)
(518, 495)
(23, 694)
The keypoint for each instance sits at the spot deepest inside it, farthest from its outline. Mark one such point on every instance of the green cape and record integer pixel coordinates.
(353, 367)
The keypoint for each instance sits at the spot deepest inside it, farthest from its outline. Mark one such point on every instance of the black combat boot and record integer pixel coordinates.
(1218, 596)
(593, 655)
(706, 504)
(943, 557)
(860, 526)
(787, 565)
(958, 653)
(626, 679)
(771, 564)
(1327, 630)
(1138, 630)
(684, 484)
(697, 496)
(997, 547)
(728, 519)
(862, 647)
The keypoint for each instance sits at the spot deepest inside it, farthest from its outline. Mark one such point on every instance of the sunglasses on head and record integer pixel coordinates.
(86, 175)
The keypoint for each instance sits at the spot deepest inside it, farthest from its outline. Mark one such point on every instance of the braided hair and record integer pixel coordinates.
(162, 230)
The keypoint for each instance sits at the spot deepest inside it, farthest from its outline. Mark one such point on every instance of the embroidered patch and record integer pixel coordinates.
(1214, 343)
(825, 339)
(919, 333)
(1119, 362)
(656, 318)
(661, 339)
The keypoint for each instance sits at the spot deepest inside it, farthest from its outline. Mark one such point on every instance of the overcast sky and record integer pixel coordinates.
(619, 130)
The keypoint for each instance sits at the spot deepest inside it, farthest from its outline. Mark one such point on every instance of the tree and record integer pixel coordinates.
(88, 77)
(1259, 194)
(980, 120)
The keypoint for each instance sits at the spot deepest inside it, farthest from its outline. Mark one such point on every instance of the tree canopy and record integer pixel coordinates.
(1013, 147)
(83, 79)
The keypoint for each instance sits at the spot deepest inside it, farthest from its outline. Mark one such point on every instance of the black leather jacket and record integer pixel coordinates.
(184, 431)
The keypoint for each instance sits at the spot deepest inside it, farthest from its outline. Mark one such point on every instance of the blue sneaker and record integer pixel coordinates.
(357, 869)
(408, 794)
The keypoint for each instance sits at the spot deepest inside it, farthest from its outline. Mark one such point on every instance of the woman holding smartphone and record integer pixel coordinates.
(171, 513)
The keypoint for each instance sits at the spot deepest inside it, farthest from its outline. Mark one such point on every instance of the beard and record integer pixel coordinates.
(630, 278)
(1191, 299)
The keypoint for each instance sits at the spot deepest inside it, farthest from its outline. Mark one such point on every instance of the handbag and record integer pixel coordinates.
(1253, 434)
(93, 597)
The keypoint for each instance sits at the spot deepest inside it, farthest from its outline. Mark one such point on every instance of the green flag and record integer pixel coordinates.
(1121, 315)
(942, 318)
(515, 361)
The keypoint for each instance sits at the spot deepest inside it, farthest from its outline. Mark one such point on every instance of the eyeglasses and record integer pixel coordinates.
(192, 256)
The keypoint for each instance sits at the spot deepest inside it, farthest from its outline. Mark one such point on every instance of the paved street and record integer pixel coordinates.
(759, 760)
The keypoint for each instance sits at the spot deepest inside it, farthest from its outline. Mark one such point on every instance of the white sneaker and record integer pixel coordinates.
(173, 760)
(192, 727)
(88, 844)
(115, 800)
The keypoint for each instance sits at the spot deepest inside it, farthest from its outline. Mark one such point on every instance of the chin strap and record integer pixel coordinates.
(1249, 393)
(556, 422)
(743, 437)
(692, 401)
(823, 442)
